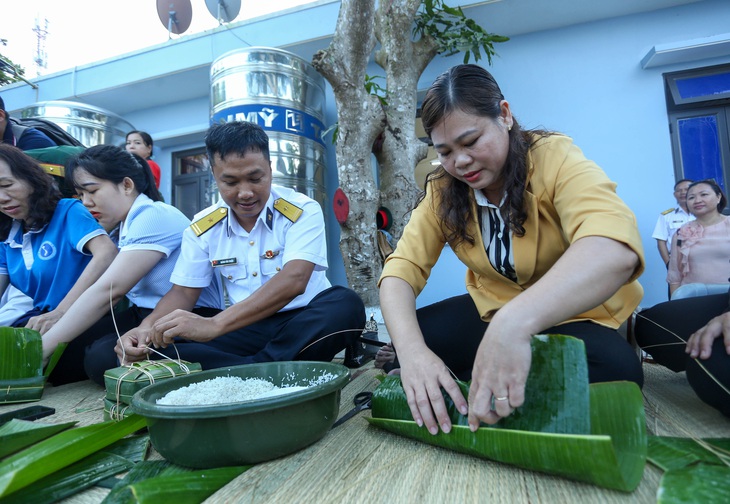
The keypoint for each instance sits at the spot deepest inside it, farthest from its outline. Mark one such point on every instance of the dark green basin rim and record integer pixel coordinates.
(143, 402)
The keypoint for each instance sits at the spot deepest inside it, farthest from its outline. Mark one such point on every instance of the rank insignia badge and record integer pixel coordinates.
(288, 210)
(202, 225)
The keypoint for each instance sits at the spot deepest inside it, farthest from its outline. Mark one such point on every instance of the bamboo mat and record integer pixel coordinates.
(356, 462)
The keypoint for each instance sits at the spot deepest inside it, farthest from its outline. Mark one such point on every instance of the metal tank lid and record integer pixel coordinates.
(71, 109)
(254, 55)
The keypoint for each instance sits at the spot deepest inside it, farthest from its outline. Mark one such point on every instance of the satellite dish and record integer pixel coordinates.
(223, 10)
(175, 15)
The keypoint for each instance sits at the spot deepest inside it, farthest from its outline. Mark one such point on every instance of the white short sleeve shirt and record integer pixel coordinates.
(668, 224)
(247, 260)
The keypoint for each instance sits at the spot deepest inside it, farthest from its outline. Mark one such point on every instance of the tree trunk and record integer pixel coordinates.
(361, 119)
(403, 61)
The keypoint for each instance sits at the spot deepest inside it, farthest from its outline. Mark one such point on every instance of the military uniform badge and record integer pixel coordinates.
(203, 224)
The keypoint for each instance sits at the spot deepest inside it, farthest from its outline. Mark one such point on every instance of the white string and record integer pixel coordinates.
(682, 341)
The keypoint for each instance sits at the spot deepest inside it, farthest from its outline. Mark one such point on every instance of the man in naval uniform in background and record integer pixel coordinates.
(267, 244)
(671, 220)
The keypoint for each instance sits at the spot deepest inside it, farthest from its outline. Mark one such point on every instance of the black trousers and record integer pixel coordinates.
(662, 331)
(453, 330)
(332, 320)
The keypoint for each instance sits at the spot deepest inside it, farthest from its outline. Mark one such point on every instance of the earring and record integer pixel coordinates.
(509, 128)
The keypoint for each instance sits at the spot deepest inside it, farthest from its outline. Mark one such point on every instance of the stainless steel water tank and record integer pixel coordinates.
(285, 95)
(88, 124)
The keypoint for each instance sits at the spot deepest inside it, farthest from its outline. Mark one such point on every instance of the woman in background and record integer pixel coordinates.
(118, 189)
(700, 261)
(140, 143)
(52, 248)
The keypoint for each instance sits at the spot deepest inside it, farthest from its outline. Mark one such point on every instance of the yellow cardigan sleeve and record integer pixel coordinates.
(418, 248)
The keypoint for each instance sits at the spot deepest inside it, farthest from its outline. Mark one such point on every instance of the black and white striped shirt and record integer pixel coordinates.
(497, 237)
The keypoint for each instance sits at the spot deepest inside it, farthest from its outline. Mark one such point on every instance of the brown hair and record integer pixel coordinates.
(44, 197)
(473, 90)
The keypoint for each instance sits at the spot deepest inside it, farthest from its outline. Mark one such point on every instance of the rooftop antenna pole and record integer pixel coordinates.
(171, 22)
(175, 15)
(223, 10)
(40, 59)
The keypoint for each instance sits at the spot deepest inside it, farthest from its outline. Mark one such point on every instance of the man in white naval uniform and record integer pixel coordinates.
(267, 244)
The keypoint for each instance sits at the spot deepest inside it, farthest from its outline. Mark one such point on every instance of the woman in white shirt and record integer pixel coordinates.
(118, 188)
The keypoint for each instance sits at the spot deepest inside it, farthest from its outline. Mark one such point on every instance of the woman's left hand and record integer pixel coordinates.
(700, 343)
(43, 323)
(500, 371)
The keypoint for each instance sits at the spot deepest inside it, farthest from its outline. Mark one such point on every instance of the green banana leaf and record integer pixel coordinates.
(669, 453)
(187, 488)
(121, 493)
(18, 434)
(70, 480)
(61, 450)
(133, 448)
(696, 483)
(556, 392)
(610, 454)
(55, 357)
(21, 353)
(21, 364)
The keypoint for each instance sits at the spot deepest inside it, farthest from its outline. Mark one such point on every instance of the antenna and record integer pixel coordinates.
(175, 15)
(223, 10)
(40, 59)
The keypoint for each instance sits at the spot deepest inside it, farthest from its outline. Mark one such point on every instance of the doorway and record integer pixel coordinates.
(193, 187)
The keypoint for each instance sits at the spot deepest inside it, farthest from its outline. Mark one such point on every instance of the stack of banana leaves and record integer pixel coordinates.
(21, 365)
(44, 463)
(595, 434)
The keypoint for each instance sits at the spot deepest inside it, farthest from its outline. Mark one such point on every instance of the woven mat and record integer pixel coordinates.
(359, 463)
(673, 409)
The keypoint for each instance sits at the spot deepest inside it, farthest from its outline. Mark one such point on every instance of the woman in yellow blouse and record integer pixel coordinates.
(547, 243)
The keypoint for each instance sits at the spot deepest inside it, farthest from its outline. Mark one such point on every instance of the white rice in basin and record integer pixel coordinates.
(223, 390)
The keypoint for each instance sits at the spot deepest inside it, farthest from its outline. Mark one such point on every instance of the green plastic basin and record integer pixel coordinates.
(244, 432)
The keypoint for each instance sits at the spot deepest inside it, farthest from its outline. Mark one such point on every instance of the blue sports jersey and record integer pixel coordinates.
(45, 264)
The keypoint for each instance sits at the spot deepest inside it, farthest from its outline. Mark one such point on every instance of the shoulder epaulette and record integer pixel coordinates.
(288, 210)
(668, 211)
(54, 169)
(203, 224)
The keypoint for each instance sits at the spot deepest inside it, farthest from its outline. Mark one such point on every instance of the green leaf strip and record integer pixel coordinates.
(61, 450)
(696, 483)
(186, 488)
(669, 453)
(18, 434)
(70, 480)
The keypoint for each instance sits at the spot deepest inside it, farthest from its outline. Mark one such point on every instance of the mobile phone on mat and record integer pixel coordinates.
(29, 413)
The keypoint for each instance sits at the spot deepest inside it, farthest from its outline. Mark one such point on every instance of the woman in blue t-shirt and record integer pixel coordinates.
(118, 188)
(51, 248)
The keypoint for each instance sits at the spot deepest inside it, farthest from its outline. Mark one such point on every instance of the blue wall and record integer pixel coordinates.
(585, 80)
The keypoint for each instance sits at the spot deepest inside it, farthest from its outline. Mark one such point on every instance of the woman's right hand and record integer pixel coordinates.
(132, 346)
(423, 375)
(700, 343)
